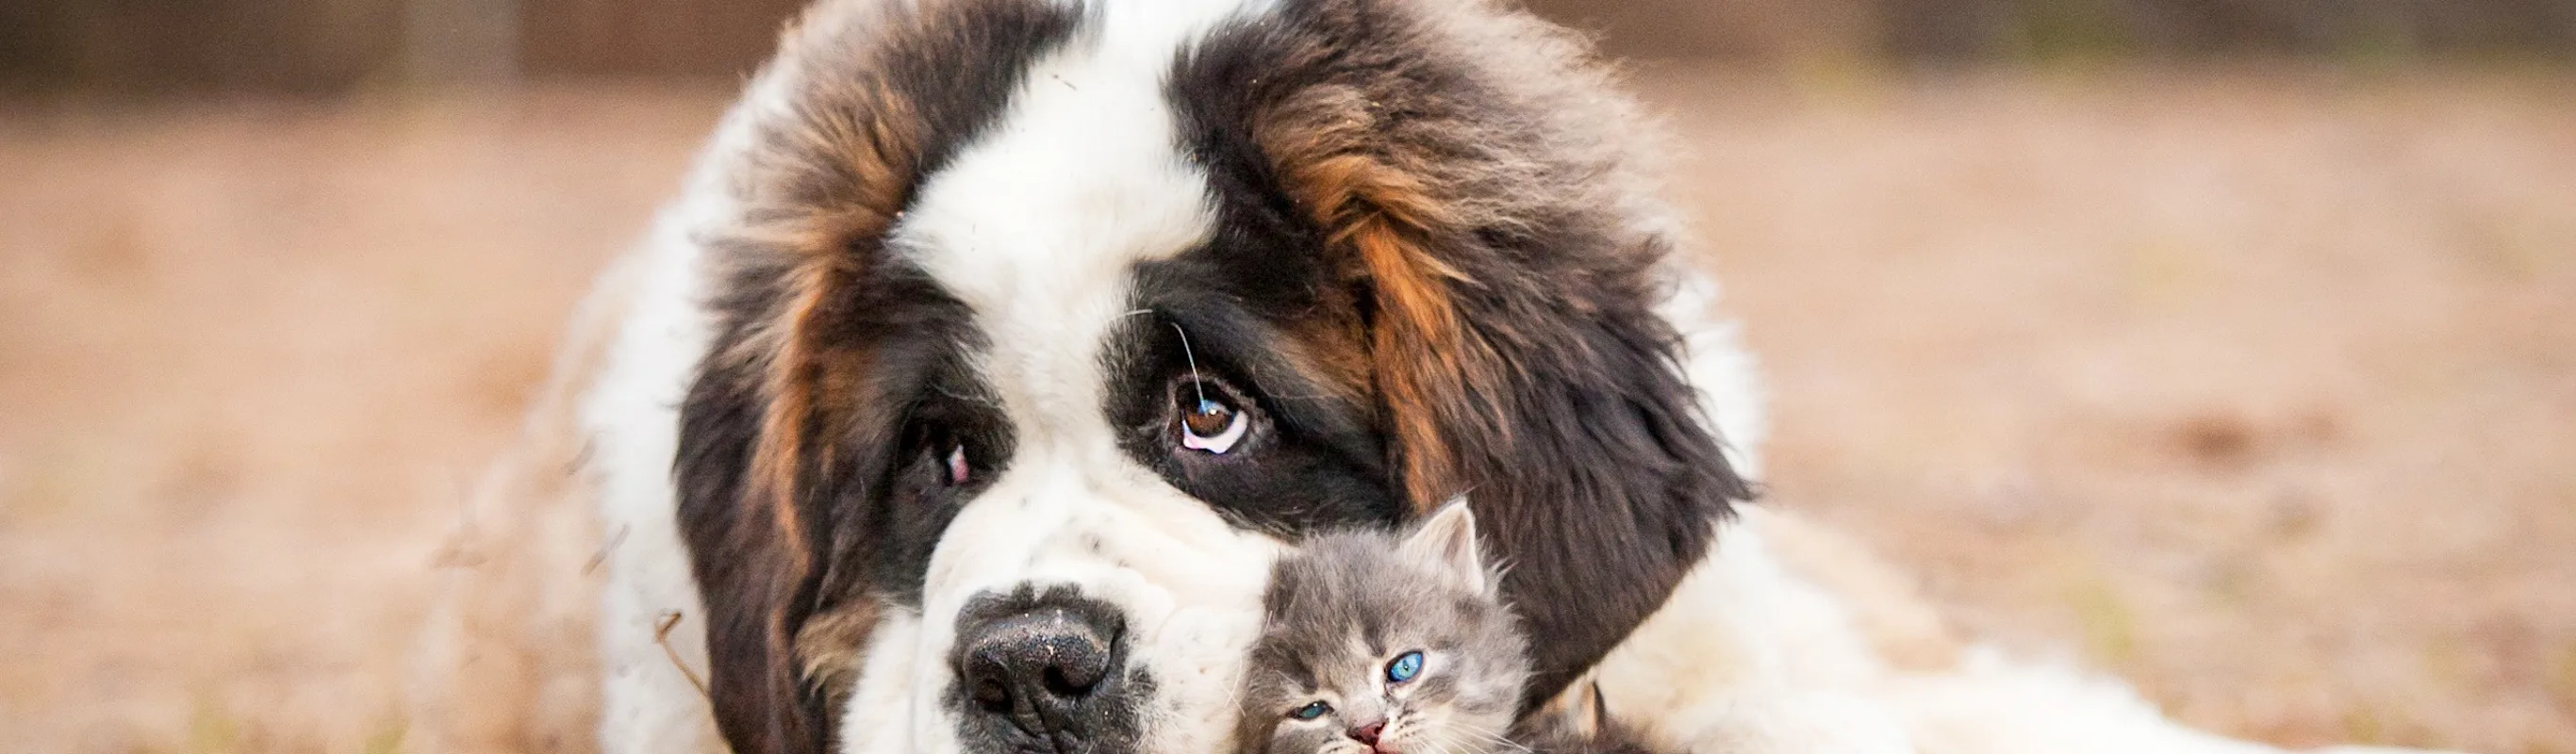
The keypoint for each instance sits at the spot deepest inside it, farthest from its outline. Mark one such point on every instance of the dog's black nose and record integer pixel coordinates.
(1040, 671)
(1046, 656)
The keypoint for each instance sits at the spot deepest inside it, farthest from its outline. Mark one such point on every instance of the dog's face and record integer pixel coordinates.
(1042, 328)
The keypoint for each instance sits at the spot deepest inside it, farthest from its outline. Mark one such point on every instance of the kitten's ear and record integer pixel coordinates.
(1448, 538)
(1587, 713)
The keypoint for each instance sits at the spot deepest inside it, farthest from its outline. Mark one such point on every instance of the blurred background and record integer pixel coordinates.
(332, 47)
(2226, 345)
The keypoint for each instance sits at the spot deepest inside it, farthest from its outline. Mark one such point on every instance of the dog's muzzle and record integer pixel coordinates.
(1044, 672)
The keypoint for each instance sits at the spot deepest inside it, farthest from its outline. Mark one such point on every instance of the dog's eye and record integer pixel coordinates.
(1209, 422)
(943, 450)
(1311, 711)
(959, 471)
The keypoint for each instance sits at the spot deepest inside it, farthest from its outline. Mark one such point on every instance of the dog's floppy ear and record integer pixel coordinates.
(751, 547)
(1507, 289)
(1526, 363)
(780, 432)
(1596, 479)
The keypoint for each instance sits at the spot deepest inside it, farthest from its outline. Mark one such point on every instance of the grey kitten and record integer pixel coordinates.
(1375, 644)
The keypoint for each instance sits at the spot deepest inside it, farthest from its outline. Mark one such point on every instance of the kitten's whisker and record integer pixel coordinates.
(1439, 745)
(1446, 741)
(1494, 741)
(1495, 738)
(1466, 745)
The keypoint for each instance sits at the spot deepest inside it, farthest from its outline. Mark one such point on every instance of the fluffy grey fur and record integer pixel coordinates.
(1349, 604)
(1343, 609)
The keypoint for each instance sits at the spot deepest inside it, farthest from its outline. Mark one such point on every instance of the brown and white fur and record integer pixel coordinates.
(908, 383)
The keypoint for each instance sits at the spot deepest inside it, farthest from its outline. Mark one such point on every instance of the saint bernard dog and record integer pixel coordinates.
(996, 347)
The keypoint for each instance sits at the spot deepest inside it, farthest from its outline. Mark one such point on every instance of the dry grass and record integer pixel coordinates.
(251, 362)
(2258, 389)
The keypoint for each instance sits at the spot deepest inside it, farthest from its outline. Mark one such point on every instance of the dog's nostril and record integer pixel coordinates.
(992, 694)
(1043, 656)
(1043, 670)
(1063, 684)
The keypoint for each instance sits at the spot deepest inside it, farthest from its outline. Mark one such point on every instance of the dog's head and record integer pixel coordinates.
(1040, 327)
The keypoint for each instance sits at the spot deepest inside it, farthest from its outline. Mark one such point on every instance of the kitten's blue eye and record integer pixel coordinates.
(1405, 667)
(1311, 711)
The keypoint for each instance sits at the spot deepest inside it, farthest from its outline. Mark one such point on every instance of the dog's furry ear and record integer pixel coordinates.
(1506, 277)
(1448, 538)
(752, 549)
(770, 445)
(1595, 476)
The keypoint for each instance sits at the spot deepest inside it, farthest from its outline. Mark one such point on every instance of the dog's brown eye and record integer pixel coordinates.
(959, 471)
(1208, 423)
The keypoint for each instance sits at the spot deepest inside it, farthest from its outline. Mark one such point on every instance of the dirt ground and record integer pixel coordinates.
(2258, 389)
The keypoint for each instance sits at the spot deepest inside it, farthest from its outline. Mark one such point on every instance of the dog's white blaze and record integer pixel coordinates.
(1037, 227)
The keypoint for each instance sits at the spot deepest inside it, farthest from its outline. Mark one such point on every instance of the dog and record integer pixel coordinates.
(996, 347)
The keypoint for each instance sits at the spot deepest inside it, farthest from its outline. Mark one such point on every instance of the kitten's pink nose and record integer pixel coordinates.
(1367, 734)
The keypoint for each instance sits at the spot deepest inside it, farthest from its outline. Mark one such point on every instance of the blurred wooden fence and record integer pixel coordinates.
(325, 46)
(2025, 30)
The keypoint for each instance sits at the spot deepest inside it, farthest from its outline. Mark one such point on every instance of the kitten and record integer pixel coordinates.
(1374, 644)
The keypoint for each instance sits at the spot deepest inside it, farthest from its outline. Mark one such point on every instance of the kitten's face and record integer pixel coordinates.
(1375, 646)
